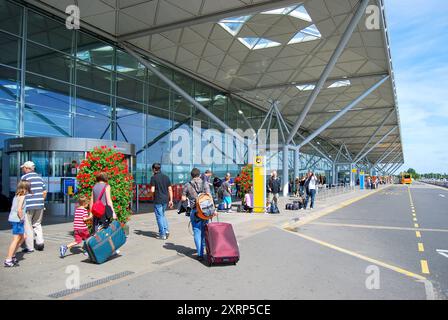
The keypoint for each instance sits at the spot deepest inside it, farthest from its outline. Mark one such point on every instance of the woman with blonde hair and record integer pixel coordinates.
(17, 219)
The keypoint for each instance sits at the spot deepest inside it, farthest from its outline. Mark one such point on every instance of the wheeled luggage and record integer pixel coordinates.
(221, 244)
(104, 242)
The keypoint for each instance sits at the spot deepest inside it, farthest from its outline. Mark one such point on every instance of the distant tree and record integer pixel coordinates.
(413, 173)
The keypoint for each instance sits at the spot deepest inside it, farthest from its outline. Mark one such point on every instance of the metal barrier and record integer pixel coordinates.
(440, 182)
(327, 191)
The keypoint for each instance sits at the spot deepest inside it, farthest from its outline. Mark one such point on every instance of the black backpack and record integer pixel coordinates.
(273, 209)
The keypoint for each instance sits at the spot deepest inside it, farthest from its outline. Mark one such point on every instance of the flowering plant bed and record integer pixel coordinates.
(245, 180)
(113, 163)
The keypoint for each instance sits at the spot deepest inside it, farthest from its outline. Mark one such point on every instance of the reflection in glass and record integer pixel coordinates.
(9, 48)
(47, 107)
(10, 17)
(48, 62)
(93, 114)
(49, 32)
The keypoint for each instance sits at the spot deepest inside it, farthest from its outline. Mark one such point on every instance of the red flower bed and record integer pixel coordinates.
(112, 162)
(245, 180)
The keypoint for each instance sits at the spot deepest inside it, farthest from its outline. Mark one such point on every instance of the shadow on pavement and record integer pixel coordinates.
(180, 249)
(150, 234)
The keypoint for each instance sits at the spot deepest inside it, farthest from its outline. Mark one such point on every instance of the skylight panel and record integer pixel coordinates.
(341, 83)
(308, 34)
(283, 11)
(233, 25)
(301, 13)
(293, 11)
(255, 43)
(306, 87)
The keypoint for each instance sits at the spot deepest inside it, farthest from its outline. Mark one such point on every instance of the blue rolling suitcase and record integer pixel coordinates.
(103, 244)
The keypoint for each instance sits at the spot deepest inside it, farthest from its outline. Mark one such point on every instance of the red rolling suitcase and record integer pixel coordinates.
(221, 244)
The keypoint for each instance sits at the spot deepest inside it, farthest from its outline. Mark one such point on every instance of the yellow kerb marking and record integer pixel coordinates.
(421, 248)
(418, 234)
(425, 268)
(362, 257)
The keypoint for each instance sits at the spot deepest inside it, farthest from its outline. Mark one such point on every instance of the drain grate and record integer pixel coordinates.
(92, 284)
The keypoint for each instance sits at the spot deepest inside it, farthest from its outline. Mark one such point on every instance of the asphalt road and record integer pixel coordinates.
(367, 250)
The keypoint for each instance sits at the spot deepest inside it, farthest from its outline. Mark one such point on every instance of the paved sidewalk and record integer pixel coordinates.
(42, 274)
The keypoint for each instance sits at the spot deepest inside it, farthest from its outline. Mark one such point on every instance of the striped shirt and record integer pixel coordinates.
(80, 214)
(35, 200)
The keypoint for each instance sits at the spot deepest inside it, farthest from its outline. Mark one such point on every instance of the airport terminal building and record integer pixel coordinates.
(137, 71)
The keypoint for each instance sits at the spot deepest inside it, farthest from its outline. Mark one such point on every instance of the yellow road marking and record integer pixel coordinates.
(415, 219)
(421, 248)
(331, 224)
(425, 268)
(418, 234)
(360, 256)
(414, 214)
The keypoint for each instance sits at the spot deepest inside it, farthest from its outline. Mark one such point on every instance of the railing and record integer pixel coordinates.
(436, 182)
(327, 191)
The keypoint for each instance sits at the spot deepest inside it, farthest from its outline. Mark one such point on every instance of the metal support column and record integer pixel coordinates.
(360, 12)
(343, 111)
(285, 176)
(376, 144)
(296, 163)
(334, 173)
(352, 175)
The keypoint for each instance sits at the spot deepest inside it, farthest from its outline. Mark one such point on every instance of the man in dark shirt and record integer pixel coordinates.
(273, 188)
(161, 186)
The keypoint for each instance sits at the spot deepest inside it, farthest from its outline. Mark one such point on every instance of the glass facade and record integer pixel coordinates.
(60, 82)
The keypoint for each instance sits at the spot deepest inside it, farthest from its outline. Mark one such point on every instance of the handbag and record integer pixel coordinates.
(98, 208)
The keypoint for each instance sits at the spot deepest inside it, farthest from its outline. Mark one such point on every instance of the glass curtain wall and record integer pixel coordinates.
(60, 82)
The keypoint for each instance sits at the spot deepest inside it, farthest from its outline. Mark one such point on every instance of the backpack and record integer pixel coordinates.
(98, 208)
(273, 208)
(205, 206)
(220, 192)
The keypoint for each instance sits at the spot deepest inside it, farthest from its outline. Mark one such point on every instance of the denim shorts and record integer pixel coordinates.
(17, 228)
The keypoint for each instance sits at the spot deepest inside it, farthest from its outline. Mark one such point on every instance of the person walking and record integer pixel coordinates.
(273, 188)
(101, 190)
(302, 186)
(190, 192)
(17, 220)
(80, 228)
(35, 206)
(227, 194)
(163, 196)
(310, 186)
(296, 187)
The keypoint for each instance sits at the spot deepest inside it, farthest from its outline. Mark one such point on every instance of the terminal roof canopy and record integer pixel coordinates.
(262, 50)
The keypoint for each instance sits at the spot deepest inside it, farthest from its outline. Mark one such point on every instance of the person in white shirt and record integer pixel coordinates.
(310, 187)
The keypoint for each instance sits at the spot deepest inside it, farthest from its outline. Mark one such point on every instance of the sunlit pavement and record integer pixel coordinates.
(365, 249)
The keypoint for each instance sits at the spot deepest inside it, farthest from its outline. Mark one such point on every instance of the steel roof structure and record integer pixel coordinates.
(272, 53)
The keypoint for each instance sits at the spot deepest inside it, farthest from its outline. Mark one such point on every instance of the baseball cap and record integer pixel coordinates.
(28, 164)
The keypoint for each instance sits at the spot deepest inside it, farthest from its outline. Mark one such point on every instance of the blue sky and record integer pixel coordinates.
(418, 31)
